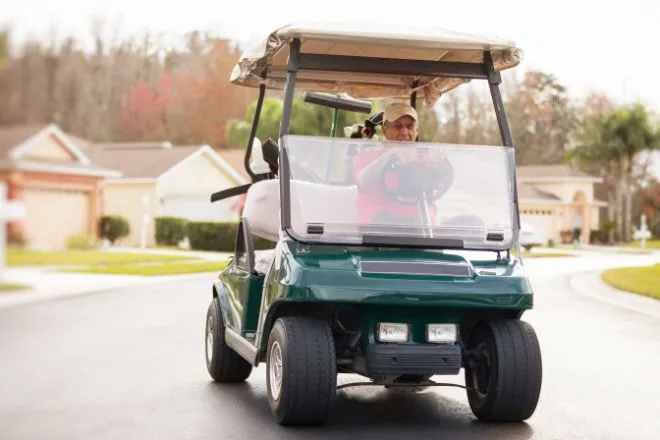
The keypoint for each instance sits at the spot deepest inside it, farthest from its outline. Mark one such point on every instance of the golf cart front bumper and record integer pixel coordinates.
(425, 359)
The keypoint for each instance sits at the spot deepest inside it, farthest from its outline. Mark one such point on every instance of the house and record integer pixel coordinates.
(67, 183)
(58, 184)
(160, 179)
(555, 198)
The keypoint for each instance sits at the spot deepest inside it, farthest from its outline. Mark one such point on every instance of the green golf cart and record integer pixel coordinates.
(397, 299)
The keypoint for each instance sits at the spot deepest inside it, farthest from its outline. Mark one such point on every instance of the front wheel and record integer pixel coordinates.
(222, 363)
(301, 371)
(504, 373)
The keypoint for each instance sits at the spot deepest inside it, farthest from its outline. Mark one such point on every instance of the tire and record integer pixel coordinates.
(507, 375)
(305, 350)
(223, 363)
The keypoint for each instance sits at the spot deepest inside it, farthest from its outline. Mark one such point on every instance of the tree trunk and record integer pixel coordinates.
(628, 196)
(611, 213)
(619, 209)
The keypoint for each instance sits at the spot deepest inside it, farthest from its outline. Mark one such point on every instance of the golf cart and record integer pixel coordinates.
(397, 300)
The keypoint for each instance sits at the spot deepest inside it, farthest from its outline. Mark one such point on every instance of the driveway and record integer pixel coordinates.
(129, 363)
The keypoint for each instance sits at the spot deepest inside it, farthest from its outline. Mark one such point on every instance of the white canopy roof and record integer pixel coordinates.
(408, 42)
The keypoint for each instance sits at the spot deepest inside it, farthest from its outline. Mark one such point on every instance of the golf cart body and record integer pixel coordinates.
(396, 300)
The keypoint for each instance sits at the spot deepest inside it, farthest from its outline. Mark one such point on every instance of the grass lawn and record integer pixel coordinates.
(643, 280)
(650, 244)
(21, 257)
(152, 269)
(533, 254)
(9, 287)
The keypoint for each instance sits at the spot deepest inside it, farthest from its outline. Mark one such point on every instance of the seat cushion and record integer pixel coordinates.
(262, 260)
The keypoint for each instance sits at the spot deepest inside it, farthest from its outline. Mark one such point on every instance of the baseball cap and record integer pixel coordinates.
(396, 110)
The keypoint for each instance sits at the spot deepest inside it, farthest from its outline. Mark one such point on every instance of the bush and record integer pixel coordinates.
(170, 230)
(219, 236)
(113, 227)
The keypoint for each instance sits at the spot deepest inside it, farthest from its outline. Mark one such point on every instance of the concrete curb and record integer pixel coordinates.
(590, 284)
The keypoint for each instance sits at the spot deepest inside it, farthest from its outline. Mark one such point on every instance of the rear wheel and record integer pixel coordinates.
(222, 363)
(504, 371)
(301, 371)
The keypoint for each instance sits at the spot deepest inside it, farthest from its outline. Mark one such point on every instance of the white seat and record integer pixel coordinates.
(262, 260)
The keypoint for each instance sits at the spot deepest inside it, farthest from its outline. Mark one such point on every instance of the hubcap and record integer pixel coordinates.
(209, 339)
(275, 370)
(481, 374)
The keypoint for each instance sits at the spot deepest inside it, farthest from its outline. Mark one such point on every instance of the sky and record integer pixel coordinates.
(589, 46)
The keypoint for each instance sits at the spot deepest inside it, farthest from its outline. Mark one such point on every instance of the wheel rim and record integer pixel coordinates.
(275, 370)
(209, 339)
(481, 374)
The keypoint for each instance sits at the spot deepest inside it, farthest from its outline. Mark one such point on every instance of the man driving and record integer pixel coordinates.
(400, 124)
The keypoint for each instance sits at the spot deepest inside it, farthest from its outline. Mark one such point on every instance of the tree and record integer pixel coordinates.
(306, 119)
(542, 119)
(650, 201)
(613, 142)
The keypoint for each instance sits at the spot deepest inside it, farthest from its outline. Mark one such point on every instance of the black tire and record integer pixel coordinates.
(223, 363)
(308, 374)
(508, 373)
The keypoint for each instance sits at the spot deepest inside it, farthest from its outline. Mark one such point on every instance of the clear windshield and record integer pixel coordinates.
(358, 191)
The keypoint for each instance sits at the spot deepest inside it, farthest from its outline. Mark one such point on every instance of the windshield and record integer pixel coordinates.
(360, 191)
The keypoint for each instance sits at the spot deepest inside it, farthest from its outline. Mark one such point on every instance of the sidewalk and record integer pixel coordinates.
(590, 284)
(47, 283)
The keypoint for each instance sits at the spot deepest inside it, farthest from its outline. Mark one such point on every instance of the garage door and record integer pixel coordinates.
(541, 222)
(53, 215)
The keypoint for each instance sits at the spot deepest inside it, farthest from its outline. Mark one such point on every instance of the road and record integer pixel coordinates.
(129, 363)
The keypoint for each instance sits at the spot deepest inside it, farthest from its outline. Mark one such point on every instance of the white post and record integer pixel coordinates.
(145, 221)
(643, 233)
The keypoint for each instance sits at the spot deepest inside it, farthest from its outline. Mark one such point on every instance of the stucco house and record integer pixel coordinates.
(555, 198)
(159, 179)
(67, 183)
(58, 184)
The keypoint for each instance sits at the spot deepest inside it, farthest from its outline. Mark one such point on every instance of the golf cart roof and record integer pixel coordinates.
(401, 42)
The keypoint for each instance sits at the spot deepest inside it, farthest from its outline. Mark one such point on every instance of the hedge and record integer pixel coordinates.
(170, 230)
(219, 236)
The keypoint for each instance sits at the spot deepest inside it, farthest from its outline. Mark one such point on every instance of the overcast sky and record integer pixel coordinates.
(588, 45)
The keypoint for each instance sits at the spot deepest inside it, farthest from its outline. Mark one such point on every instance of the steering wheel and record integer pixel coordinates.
(407, 183)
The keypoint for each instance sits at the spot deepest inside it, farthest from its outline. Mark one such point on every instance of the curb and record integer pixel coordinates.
(590, 284)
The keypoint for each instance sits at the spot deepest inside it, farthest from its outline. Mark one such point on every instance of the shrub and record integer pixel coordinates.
(170, 230)
(113, 227)
(219, 236)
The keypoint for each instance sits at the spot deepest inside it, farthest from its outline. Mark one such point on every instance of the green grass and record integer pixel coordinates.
(152, 269)
(533, 254)
(10, 287)
(650, 244)
(21, 257)
(644, 280)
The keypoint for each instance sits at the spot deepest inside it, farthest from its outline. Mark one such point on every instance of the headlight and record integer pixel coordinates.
(441, 333)
(390, 332)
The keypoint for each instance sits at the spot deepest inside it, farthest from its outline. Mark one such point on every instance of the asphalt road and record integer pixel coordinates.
(129, 364)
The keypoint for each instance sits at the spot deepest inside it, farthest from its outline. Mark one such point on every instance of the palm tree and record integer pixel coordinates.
(612, 143)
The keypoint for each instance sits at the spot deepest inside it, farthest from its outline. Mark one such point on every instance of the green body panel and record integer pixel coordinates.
(331, 274)
(243, 299)
(323, 274)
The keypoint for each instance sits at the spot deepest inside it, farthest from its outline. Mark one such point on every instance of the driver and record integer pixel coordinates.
(400, 123)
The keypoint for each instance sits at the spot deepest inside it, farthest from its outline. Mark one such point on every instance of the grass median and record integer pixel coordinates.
(643, 280)
(153, 269)
(12, 287)
(24, 257)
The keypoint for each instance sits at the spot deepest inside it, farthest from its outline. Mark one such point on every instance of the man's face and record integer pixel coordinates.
(403, 129)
